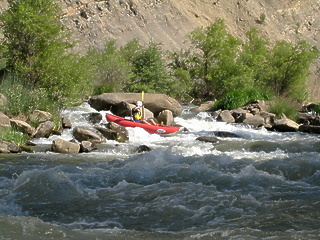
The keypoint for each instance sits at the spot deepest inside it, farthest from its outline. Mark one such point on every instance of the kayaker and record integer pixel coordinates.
(137, 114)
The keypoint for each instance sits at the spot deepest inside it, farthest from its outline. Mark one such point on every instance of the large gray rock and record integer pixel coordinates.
(112, 134)
(165, 117)
(87, 146)
(88, 134)
(309, 129)
(62, 146)
(225, 116)
(255, 121)
(154, 102)
(285, 125)
(44, 130)
(9, 147)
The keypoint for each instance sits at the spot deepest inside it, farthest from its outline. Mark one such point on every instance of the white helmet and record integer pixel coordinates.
(139, 104)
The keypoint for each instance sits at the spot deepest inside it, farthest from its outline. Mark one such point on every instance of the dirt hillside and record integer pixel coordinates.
(168, 21)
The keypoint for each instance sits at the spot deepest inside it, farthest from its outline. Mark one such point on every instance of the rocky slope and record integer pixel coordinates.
(169, 21)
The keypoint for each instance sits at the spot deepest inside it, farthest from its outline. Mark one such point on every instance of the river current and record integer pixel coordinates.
(262, 185)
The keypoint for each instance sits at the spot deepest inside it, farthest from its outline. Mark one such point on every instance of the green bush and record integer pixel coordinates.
(240, 97)
(284, 106)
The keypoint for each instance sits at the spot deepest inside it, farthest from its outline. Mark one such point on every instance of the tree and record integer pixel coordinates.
(215, 61)
(149, 69)
(37, 46)
(287, 68)
(113, 71)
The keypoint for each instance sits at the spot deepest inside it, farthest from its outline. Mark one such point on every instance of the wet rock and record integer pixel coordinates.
(203, 107)
(226, 134)
(119, 135)
(95, 117)
(264, 146)
(309, 129)
(26, 149)
(208, 139)
(165, 117)
(4, 147)
(154, 102)
(225, 116)
(44, 130)
(268, 117)
(22, 126)
(62, 146)
(142, 148)
(66, 123)
(255, 121)
(87, 146)
(240, 115)
(9, 147)
(285, 125)
(88, 134)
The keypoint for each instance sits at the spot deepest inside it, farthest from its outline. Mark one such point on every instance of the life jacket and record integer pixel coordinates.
(136, 114)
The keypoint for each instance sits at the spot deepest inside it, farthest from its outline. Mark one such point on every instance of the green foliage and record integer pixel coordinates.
(183, 87)
(13, 135)
(215, 65)
(24, 98)
(315, 109)
(284, 106)
(240, 97)
(287, 69)
(112, 70)
(149, 69)
(36, 50)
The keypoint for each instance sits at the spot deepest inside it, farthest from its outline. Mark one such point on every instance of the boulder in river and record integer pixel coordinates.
(154, 102)
(285, 125)
(62, 146)
(87, 134)
(44, 130)
(208, 139)
(86, 146)
(9, 147)
(225, 116)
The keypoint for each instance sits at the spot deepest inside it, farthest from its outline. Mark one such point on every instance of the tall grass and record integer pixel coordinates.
(285, 106)
(23, 98)
(240, 97)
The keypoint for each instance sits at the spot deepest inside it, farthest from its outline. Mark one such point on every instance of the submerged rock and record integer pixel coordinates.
(142, 148)
(88, 134)
(208, 139)
(87, 146)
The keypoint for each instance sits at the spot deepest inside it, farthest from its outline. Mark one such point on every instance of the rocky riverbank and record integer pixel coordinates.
(159, 106)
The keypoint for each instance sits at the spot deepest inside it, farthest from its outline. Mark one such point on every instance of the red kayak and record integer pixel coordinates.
(157, 129)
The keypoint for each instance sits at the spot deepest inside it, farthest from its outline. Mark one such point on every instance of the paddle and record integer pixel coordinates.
(142, 99)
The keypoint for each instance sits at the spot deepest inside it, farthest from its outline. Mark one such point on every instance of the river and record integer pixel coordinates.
(263, 185)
